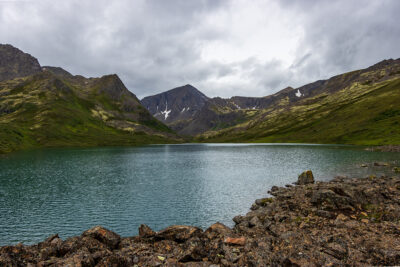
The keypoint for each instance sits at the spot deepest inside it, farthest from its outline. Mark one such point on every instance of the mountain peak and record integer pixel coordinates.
(113, 86)
(180, 103)
(14, 63)
(57, 71)
(188, 88)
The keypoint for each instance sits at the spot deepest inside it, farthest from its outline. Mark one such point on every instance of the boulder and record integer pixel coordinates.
(105, 236)
(306, 177)
(255, 222)
(217, 230)
(146, 232)
(329, 200)
(179, 233)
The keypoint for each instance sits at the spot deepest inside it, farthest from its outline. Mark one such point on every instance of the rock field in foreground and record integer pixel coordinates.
(341, 222)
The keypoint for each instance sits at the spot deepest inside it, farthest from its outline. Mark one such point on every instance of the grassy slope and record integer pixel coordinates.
(359, 114)
(40, 113)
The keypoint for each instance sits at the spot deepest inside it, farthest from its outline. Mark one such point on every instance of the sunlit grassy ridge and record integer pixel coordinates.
(366, 113)
(48, 110)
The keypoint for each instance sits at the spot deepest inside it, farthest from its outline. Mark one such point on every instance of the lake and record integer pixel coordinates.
(67, 191)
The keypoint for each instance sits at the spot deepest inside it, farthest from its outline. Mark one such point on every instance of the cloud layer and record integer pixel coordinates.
(224, 48)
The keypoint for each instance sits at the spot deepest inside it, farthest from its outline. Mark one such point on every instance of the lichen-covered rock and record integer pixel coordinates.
(306, 177)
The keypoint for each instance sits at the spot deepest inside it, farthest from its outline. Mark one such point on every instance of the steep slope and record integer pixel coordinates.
(54, 108)
(360, 107)
(178, 104)
(15, 63)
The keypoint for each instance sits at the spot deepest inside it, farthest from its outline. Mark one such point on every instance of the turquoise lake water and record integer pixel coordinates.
(67, 191)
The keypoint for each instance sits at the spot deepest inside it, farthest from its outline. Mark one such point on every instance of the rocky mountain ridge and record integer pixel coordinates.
(242, 119)
(14, 63)
(47, 106)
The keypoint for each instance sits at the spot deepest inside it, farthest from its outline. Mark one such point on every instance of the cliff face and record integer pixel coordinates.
(337, 223)
(14, 63)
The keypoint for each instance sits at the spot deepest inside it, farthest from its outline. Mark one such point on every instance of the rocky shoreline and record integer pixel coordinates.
(387, 148)
(343, 222)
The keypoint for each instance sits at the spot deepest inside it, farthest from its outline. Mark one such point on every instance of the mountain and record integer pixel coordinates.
(175, 105)
(359, 107)
(49, 107)
(15, 63)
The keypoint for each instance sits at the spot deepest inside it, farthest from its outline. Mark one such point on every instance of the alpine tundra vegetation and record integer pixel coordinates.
(49, 107)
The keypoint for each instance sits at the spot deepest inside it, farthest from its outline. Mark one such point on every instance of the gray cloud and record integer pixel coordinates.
(224, 48)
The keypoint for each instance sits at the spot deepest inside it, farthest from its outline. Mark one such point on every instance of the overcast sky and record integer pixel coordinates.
(224, 48)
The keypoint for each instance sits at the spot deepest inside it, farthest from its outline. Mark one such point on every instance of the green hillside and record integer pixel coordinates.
(49, 109)
(363, 110)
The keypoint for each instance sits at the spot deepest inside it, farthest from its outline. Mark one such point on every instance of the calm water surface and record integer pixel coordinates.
(67, 191)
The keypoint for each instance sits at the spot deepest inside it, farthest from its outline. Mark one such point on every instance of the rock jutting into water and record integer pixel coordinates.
(342, 222)
(306, 177)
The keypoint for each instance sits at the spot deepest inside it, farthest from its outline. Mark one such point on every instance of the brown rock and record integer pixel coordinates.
(306, 177)
(255, 222)
(341, 217)
(146, 232)
(217, 230)
(81, 259)
(241, 241)
(179, 233)
(238, 219)
(105, 236)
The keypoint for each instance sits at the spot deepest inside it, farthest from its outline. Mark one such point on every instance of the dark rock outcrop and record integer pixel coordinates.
(344, 222)
(14, 63)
